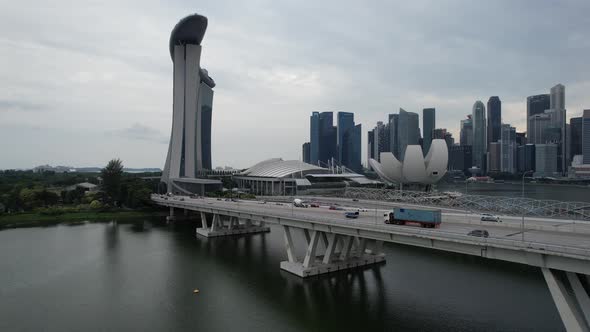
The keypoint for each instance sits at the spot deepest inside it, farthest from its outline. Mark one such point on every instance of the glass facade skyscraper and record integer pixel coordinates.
(314, 138)
(479, 135)
(428, 125)
(586, 136)
(494, 119)
(344, 123)
(408, 131)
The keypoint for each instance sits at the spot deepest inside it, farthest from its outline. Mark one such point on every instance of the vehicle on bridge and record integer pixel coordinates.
(351, 214)
(479, 233)
(490, 217)
(424, 218)
(299, 203)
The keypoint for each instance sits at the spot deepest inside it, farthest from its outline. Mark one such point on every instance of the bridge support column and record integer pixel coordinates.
(329, 259)
(232, 227)
(574, 309)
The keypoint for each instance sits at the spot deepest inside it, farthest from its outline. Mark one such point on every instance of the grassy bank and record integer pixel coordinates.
(34, 219)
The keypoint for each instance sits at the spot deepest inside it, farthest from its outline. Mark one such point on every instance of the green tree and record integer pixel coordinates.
(111, 179)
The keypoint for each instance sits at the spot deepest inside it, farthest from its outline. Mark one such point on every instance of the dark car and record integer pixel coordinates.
(479, 233)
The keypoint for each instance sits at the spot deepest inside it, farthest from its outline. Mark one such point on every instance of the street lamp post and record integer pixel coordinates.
(523, 211)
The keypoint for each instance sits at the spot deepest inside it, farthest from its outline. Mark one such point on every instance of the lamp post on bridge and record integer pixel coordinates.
(523, 212)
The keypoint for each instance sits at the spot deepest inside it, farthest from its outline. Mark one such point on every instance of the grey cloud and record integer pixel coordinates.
(19, 105)
(138, 131)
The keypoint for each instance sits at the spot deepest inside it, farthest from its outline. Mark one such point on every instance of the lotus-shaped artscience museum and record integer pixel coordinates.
(415, 168)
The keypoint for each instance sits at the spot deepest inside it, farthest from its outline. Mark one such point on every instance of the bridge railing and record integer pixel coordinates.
(376, 225)
(515, 206)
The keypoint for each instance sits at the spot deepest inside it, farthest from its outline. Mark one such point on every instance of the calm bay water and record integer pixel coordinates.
(104, 277)
(531, 190)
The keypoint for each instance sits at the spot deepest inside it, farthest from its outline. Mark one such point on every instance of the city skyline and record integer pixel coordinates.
(77, 87)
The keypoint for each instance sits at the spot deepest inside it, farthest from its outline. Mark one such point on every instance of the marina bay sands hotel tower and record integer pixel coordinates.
(190, 142)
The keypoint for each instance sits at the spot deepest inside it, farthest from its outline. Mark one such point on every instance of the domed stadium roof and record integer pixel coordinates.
(279, 168)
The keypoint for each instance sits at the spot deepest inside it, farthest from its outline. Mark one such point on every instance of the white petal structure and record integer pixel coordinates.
(415, 168)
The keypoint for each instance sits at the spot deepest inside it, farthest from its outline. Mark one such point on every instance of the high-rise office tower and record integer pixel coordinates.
(466, 135)
(344, 122)
(328, 138)
(545, 160)
(557, 97)
(370, 146)
(305, 152)
(408, 131)
(586, 137)
(479, 135)
(575, 137)
(428, 125)
(494, 119)
(189, 151)
(349, 141)
(314, 138)
(537, 104)
(559, 124)
(538, 125)
(460, 157)
(494, 158)
(379, 140)
(351, 153)
(393, 129)
(508, 148)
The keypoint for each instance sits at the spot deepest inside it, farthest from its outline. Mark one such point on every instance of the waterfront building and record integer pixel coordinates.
(508, 148)
(370, 146)
(559, 124)
(526, 158)
(460, 157)
(479, 135)
(408, 131)
(494, 119)
(466, 134)
(306, 152)
(189, 152)
(328, 138)
(428, 125)
(314, 138)
(351, 156)
(536, 105)
(545, 160)
(586, 137)
(393, 129)
(575, 137)
(344, 123)
(494, 157)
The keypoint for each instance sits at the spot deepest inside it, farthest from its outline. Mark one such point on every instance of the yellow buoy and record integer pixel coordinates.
(196, 291)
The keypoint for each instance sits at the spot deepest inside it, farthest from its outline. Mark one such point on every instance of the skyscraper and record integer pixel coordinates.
(557, 97)
(495, 158)
(575, 136)
(535, 105)
(393, 129)
(408, 131)
(466, 135)
(586, 137)
(305, 152)
(559, 124)
(508, 148)
(351, 155)
(537, 128)
(189, 151)
(428, 125)
(370, 146)
(545, 160)
(349, 141)
(328, 138)
(344, 122)
(479, 135)
(494, 119)
(314, 138)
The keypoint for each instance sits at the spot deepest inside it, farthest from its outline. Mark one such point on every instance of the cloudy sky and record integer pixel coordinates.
(85, 81)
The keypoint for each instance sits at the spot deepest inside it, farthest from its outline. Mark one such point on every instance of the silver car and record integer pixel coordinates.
(490, 217)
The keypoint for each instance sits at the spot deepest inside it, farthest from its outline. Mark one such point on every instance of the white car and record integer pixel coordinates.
(489, 217)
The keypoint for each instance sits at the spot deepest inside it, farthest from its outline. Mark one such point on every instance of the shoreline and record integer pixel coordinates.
(33, 219)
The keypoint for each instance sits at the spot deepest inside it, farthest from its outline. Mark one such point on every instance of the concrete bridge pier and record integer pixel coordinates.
(228, 225)
(339, 252)
(570, 298)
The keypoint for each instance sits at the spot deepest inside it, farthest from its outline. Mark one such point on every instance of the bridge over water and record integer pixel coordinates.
(560, 248)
